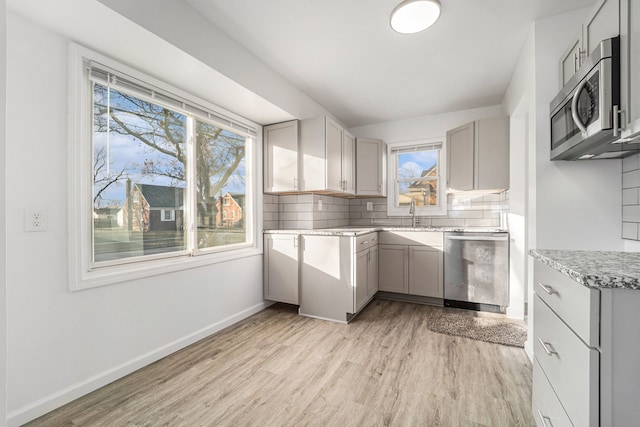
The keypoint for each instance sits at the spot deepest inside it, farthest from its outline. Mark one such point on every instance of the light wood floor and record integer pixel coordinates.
(280, 369)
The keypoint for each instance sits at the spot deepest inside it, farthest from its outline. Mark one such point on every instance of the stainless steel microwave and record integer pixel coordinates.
(584, 115)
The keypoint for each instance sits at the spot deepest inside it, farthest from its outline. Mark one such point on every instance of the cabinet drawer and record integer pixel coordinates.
(366, 241)
(571, 367)
(547, 409)
(577, 305)
(427, 238)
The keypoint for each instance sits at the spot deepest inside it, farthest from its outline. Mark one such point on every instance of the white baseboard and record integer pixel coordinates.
(46, 404)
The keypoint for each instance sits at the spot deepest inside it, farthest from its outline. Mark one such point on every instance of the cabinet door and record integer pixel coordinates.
(333, 141)
(281, 157)
(281, 268)
(460, 157)
(348, 162)
(630, 65)
(392, 268)
(492, 154)
(570, 60)
(425, 271)
(603, 23)
(326, 277)
(372, 272)
(362, 261)
(369, 167)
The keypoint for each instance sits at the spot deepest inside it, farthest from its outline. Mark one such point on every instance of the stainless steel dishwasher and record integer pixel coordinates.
(476, 271)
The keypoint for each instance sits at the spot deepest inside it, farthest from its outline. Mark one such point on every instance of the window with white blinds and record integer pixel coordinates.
(415, 177)
(158, 165)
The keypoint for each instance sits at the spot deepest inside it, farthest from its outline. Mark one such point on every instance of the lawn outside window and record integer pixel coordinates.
(152, 168)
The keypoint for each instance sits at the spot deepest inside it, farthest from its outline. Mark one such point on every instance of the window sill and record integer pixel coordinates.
(124, 273)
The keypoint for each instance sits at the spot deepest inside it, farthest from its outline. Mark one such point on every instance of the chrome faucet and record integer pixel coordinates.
(412, 211)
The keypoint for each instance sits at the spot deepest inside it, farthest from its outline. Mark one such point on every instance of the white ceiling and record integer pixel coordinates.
(343, 53)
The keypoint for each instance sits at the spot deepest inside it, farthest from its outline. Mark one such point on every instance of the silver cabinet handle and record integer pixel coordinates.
(547, 347)
(618, 121)
(548, 289)
(364, 243)
(544, 420)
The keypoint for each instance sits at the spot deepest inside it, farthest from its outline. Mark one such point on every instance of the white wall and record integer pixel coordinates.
(62, 344)
(578, 204)
(566, 205)
(519, 104)
(3, 223)
(424, 127)
(181, 25)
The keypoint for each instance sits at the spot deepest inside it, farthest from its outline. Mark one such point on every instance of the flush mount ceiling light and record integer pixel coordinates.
(413, 16)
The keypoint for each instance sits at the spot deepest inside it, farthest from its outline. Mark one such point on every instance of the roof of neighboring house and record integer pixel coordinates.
(160, 196)
(432, 171)
(238, 197)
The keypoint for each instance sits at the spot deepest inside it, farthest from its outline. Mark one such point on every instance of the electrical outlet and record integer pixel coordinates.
(36, 220)
(369, 206)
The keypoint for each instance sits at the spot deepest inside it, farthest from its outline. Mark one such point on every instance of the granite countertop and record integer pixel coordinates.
(358, 231)
(595, 269)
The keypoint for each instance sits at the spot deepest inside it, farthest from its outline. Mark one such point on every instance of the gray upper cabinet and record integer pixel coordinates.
(602, 23)
(328, 156)
(370, 167)
(570, 60)
(348, 159)
(478, 155)
(460, 147)
(281, 166)
(630, 66)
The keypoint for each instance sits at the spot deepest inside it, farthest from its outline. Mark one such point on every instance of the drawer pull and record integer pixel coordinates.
(548, 289)
(547, 347)
(364, 243)
(544, 420)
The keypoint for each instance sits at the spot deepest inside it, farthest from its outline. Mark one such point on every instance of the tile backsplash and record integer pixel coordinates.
(631, 198)
(312, 211)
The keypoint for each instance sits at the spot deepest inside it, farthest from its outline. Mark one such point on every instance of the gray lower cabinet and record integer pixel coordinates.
(411, 262)
(338, 275)
(586, 349)
(281, 268)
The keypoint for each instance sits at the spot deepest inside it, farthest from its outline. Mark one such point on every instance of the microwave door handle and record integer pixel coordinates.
(574, 107)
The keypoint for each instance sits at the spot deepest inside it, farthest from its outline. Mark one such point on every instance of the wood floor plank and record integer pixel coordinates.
(280, 369)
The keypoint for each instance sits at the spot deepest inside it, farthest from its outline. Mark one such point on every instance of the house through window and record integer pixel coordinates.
(160, 164)
(415, 172)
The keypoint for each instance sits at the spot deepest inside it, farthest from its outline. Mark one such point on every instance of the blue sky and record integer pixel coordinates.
(127, 153)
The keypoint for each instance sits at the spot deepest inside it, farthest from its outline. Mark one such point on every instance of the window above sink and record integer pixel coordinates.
(415, 175)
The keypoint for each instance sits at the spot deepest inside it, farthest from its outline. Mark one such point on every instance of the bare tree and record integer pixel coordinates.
(161, 130)
(102, 179)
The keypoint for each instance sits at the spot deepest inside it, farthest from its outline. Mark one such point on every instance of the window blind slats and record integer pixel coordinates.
(414, 148)
(106, 76)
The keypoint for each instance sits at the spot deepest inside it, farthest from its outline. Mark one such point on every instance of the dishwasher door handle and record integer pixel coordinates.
(486, 238)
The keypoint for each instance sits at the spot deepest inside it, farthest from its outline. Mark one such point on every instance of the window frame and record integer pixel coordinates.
(392, 178)
(83, 273)
(172, 215)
